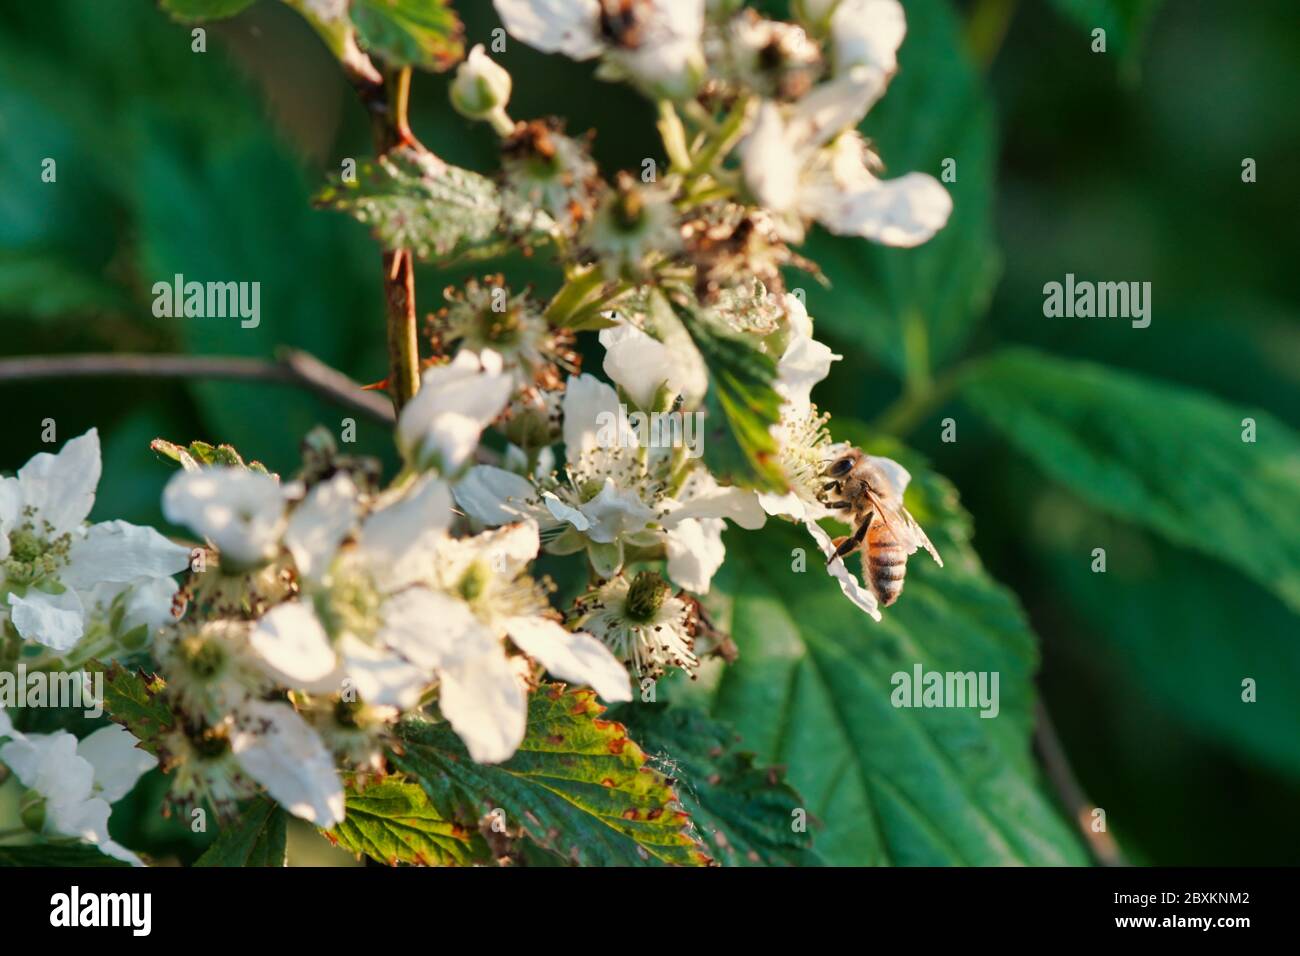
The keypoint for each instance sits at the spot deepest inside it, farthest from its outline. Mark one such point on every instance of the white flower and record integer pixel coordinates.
(615, 493)
(633, 226)
(440, 426)
(75, 783)
(806, 163)
(803, 161)
(358, 618)
(483, 694)
(641, 365)
(481, 89)
(281, 751)
(485, 316)
(51, 561)
(642, 623)
(656, 43)
(241, 512)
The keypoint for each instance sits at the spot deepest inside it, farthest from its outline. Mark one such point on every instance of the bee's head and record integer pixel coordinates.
(843, 464)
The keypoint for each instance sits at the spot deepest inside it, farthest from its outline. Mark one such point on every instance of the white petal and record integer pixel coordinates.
(562, 512)
(571, 656)
(769, 162)
(901, 212)
(613, 513)
(7, 725)
(381, 676)
(495, 496)
(898, 476)
(835, 106)
(55, 620)
(118, 762)
(788, 505)
(702, 497)
(115, 551)
(638, 363)
(804, 363)
(442, 423)
(50, 765)
(240, 511)
(849, 584)
(119, 852)
(570, 27)
(319, 525)
(483, 699)
(294, 648)
(62, 487)
(588, 403)
(280, 751)
(402, 533)
(695, 552)
(868, 33)
(432, 630)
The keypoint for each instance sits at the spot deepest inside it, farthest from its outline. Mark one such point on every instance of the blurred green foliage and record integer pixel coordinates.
(1112, 167)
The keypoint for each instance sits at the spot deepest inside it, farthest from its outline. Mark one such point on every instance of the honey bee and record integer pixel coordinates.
(871, 489)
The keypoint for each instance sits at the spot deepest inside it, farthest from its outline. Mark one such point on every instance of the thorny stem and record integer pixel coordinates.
(387, 103)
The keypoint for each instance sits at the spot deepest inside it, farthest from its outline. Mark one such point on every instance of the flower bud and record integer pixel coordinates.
(481, 89)
(32, 811)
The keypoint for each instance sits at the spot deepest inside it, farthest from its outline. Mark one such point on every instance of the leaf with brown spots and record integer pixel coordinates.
(577, 786)
(393, 822)
(744, 811)
(134, 700)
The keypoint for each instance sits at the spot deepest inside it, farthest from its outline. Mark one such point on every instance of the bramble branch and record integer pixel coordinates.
(292, 367)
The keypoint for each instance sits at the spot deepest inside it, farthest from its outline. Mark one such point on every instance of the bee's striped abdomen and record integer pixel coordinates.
(886, 565)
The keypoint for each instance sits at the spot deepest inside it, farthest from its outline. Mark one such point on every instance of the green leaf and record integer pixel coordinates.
(1188, 656)
(1164, 457)
(423, 33)
(577, 785)
(393, 822)
(915, 308)
(746, 812)
(812, 690)
(257, 838)
(413, 200)
(134, 700)
(741, 405)
(48, 284)
(69, 855)
(1125, 22)
(198, 453)
(188, 11)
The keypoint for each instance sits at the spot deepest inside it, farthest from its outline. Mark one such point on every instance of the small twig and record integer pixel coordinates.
(1101, 844)
(291, 368)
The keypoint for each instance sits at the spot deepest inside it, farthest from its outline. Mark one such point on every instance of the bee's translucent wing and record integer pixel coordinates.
(914, 537)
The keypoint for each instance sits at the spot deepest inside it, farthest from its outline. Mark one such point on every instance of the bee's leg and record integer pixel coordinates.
(831, 486)
(844, 546)
(842, 505)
